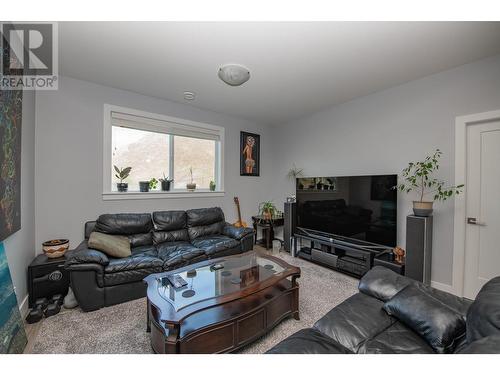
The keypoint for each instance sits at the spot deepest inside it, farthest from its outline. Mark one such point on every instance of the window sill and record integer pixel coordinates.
(131, 195)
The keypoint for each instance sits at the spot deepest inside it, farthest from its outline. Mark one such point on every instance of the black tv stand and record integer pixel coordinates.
(351, 256)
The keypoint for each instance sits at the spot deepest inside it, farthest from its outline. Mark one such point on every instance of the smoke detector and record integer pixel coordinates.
(234, 74)
(188, 95)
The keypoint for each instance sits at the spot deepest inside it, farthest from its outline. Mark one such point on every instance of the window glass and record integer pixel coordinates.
(198, 154)
(146, 152)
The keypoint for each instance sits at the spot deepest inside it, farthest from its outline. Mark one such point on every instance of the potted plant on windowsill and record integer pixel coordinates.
(143, 186)
(417, 176)
(191, 186)
(122, 174)
(212, 185)
(165, 183)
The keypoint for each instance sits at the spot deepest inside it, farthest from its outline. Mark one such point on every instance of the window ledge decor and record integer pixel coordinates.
(133, 195)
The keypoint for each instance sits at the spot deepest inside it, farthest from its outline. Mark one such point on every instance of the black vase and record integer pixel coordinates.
(122, 187)
(144, 186)
(165, 185)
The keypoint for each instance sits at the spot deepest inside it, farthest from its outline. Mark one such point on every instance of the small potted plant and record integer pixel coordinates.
(212, 186)
(165, 183)
(153, 184)
(143, 186)
(417, 176)
(191, 186)
(122, 174)
(267, 210)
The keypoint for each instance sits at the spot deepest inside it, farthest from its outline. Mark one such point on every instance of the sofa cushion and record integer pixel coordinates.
(486, 345)
(397, 339)
(169, 220)
(170, 236)
(215, 243)
(124, 224)
(141, 239)
(354, 321)
(436, 323)
(382, 283)
(175, 254)
(483, 317)
(148, 250)
(112, 245)
(204, 222)
(131, 269)
(308, 341)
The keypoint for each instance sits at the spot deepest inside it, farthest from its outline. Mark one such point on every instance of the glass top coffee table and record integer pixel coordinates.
(225, 303)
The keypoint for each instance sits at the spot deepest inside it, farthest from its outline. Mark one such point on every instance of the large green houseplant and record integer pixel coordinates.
(418, 177)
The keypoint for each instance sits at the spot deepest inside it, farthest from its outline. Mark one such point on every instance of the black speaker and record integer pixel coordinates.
(418, 248)
(290, 223)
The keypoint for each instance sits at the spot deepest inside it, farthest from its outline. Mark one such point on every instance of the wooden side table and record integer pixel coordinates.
(267, 229)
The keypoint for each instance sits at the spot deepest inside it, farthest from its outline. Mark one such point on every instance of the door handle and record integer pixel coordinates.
(473, 220)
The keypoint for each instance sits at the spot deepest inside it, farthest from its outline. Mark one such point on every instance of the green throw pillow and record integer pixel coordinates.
(112, 245)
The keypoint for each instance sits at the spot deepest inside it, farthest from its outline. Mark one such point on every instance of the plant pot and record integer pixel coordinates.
(122, 186)
(422, 208)
(267, 215)
(165, 185)
(191, 186)
(144, 186)
(212, 187)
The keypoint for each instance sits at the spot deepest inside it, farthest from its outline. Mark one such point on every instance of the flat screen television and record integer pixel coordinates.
(357, 207)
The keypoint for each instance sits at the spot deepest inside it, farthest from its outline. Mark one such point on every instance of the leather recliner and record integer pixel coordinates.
(360, 324)
(161, 241)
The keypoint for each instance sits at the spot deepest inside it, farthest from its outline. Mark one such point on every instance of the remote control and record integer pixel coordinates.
(217, 266)
(176, 281)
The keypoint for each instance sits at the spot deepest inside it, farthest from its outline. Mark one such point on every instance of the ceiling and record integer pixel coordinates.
(296, 68)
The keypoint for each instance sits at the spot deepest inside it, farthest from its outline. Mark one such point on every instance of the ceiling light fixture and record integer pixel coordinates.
(234, 74)
(188, 95)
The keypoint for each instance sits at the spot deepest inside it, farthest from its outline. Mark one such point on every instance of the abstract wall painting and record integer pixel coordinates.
(12, 335)
(249, 154)
(10, 161)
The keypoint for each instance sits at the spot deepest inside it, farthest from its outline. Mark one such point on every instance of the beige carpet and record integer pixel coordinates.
(122, 328)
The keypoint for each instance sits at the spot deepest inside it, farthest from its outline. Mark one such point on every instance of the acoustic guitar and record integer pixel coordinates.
(240, 223)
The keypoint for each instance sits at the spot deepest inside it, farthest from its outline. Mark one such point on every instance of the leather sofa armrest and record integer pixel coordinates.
(235, 232)
(82, 255)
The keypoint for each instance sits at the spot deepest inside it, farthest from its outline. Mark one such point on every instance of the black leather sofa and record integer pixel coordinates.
(161, 241)
(361, 325)
(334, 216)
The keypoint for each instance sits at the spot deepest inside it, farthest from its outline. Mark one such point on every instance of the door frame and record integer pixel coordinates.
(461, 123)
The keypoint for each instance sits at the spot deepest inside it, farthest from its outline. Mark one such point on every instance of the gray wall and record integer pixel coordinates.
(69, 146)
(20, 247)
(381, 132)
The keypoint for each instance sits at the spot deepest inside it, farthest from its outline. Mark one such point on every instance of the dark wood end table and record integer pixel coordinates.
(267, 226)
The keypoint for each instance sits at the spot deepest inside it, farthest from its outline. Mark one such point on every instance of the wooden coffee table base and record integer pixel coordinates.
(227, 327)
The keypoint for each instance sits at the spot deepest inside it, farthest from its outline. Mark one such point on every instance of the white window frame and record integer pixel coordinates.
(161, 122)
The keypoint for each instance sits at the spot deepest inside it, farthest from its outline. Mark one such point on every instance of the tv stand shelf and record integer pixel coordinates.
(352, 257)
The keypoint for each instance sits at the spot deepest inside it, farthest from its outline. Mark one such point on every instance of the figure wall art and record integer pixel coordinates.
(10, 161)
(249, 154)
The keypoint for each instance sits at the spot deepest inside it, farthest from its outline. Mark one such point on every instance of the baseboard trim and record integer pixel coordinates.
(444, 287)
(23, 307)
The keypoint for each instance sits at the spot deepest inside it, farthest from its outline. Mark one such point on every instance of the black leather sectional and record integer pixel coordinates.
(160, 241)
(361, 325)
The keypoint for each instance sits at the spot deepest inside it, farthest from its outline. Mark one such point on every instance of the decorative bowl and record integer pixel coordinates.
(55, 248)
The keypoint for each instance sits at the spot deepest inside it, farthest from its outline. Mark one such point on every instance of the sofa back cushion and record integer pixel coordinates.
(169, 226)
(137, 227)
(124, 224)
(483, 317)
(442, 327)
(204, 222)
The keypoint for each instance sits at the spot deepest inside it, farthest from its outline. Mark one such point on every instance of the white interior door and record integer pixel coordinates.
(482, 236)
